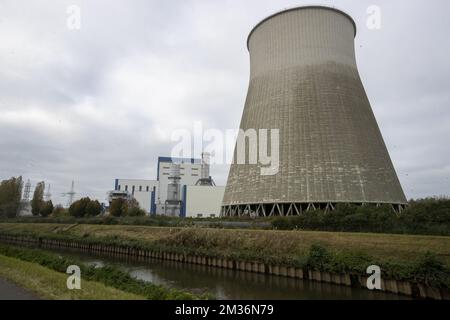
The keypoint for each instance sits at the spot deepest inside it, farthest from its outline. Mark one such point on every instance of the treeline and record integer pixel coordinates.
(11, 197)
(425, 216)
(11, 205)
(85, 208)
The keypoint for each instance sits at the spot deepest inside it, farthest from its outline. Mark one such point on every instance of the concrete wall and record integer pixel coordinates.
(204, 200)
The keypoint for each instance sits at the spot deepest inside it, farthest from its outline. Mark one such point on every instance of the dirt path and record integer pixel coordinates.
(10, 291)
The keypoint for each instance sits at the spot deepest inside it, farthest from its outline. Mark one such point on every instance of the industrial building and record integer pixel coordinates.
(304, 81)
(183, 187)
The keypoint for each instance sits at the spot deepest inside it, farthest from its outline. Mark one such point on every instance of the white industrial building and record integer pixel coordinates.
(203, 201)
(192, 192)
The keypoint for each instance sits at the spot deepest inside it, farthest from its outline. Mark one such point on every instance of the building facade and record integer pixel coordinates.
(152, 196)
(202, 201)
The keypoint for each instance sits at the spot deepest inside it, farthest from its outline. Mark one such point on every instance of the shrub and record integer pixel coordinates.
(431, 271)
(319, 258)
(136, 212)
(59, 211)
(46, 209)
(426, 216)
(93, 208)
(85, 207)
(118, 207)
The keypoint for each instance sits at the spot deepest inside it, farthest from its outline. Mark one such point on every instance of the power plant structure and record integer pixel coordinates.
(304, 82)
(70, 194)
(183, 187)
(173, 203)
(25, 204)
(205, 177)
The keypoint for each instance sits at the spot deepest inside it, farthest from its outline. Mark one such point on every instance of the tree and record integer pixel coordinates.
(78, 208)
(93, 208)
(118, 207)
(121, 208)
(38, 199)
(10, 196)
(47, 208)
(85, 207)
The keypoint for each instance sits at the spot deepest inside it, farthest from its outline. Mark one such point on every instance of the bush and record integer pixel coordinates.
(93, 208)
(431, 271)
(118, 207)
(319, 258)
(426, 216)
(121, 208)
(59, 211)
(85, 207)
(46, 209)
(136, 212)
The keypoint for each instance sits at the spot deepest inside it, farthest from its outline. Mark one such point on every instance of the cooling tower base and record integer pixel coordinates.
(292, 209)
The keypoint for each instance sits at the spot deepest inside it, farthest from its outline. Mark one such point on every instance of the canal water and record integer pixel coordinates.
(227, 284)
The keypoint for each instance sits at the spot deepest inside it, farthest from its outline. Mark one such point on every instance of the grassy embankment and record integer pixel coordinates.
(50, 284)
(43, 272)
(402, 257)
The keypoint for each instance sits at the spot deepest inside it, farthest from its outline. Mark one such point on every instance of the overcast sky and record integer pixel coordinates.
(101, 102)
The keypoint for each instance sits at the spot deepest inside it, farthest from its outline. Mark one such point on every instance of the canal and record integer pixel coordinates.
(227, 284)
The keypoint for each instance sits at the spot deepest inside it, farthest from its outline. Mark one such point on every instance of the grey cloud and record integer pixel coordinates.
(87, 105)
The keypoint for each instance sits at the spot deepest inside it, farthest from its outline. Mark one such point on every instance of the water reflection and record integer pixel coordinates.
(228, 284)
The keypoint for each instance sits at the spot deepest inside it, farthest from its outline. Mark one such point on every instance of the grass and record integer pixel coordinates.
(402, 257)
(50, 284)
(107, 275)
(264, 242)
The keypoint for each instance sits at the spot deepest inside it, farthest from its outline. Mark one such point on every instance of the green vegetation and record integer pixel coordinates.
(38, 199)
(49, 284)
(122, 208)
(59, 212)
(85, 207)
(427, 216)
(398, 255)
(10, 195)
(47, 208)
(108, 276)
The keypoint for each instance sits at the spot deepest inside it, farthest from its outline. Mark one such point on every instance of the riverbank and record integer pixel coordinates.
(412, 265)
(44, 273)
(49, 284)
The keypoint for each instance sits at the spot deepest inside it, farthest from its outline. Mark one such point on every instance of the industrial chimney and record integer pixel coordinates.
(304, 81)
(205, 178)
(172, 205)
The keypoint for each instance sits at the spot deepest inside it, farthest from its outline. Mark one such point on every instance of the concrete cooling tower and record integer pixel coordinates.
(304, 81)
